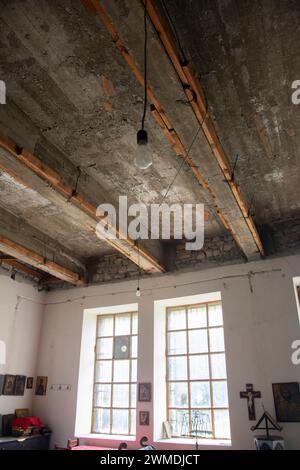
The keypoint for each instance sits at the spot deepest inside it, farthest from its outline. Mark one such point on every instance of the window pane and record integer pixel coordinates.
(134, 346)
(134, 324)
(121, 396)
(101, 420)
(133, 396)
(220, 394)
(216, 339)
(198, 341)
(215, 316)
(199, 367)
(102, 395)
(105, 326)
(133, 370)
(177, 343)
(177, 320)
(121, 371)
(133, 421)
(201, 423)
(122, 325)
(177, 368)
(103, 371)
(178, 395)
(122, 347)
(104, 348)
(179, 422)
(120, 421)
(218, 366)
(200, 394)
(222, 424)
(197, 317)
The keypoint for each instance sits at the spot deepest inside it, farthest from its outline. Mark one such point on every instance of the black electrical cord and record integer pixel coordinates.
(145, 65)
(174, 31)
(182, 163)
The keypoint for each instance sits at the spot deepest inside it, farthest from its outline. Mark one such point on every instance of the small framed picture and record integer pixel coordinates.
(20, 385)
(22, 412)
(9, 384)
(144, 418)
(2, 378)
(29, 383)
(41, 385)
(145, 392)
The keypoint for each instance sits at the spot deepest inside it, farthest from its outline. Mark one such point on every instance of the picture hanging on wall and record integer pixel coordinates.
(41, 385)
(287, 402)
(2, 377)
(29, 383)
(9, 384)
(20, 385)
(144, 418)
(144, 392)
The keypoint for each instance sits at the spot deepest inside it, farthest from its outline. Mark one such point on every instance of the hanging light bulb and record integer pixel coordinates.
(143, 154)
(138, 292)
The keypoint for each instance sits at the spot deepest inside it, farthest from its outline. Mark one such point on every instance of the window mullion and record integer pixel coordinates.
(210, 377)
(188, 371)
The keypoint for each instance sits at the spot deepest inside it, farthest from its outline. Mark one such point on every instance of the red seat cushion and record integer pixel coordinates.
(91, 448)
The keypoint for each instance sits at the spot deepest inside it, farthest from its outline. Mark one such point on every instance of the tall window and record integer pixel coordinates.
(197, 397)
(114, 406)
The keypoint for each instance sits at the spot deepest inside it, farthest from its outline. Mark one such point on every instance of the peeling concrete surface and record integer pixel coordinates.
(246, 56)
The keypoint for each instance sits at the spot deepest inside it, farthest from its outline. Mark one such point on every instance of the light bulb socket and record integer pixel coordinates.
(142, 137)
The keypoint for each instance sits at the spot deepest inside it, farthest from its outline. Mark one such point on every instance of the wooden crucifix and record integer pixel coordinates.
(250, 394)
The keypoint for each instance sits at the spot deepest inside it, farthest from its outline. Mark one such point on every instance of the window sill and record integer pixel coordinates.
(192, 442)
(107, 437)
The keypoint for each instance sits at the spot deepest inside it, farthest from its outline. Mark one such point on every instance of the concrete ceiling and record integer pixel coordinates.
(74, 103)
(246, 56)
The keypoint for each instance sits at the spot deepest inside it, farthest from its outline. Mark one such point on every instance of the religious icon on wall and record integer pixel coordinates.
(250, 395)
(22, 412)
(9, 384)
(287, 401)
(144, 418)
(41, 385)
(20, 385)
(2, 377)
(29, 383)
(144, 392)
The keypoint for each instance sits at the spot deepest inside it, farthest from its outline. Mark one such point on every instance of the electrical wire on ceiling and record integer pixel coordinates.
(181, 164)
(143, 157)
(174, 31)
(145, 66)
(156, 287)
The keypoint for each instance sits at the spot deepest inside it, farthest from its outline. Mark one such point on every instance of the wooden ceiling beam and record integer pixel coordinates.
(196, 98)
(34, 259)
(135, 252)
(24, 269)
(164, 122)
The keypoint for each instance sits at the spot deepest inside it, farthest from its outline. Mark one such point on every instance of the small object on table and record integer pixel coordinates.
(250, 394)
(268, 442)
(122, 446)
(144, 444)
(22, 412)
(26, 425)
